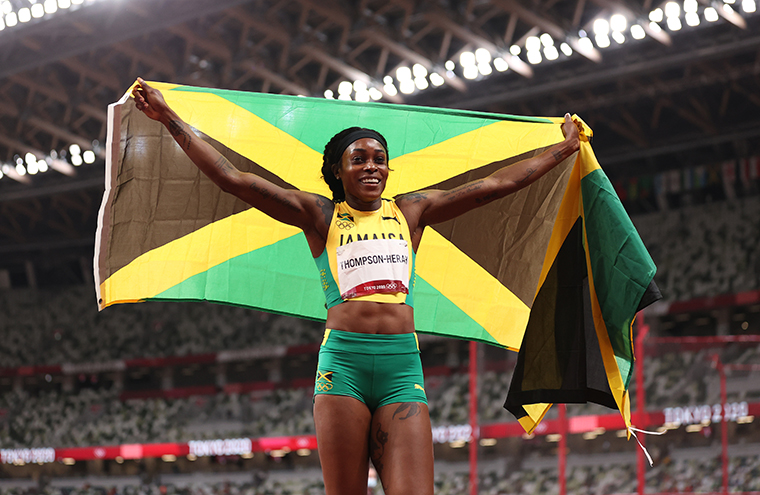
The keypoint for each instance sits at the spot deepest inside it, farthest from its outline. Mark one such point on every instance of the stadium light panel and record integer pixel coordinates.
(532, 43)
(50, 6)
(20, 169)
(421, 83)
(362, 96)
(515, 50)
(566, 49)
(485, 68)
(547, 40)
(64, 4)
(534, 57)
(419, 70)
(500, 64)
(618, 22)
(728, 8)
(674, 23)
(375, 94)
(749, 6)
(586, 43)
(618, 37)
(11, 19)
(692, 19)
(467, 59)
(436, 79)
(390, 89)
(655, 27)
(7, 8)
(43, 167)
(74, 149)
(88, 157)
(637, 31)
(672, 9)
(329, 94)
(470, 72)
(403, 74)
(30, 158)
(388, 80)
(345, 88)
(551, 53)
(76, 160)
(344, 97)
(360, 86)
(450, 65)
(406, 86)
(656, 15)
(37, 10)
(24, 14)
(690, 6)
(602, 40)
(601, 27)
(32, 168)
(482, 56)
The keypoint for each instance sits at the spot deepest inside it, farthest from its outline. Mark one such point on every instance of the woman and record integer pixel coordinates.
(369, 393)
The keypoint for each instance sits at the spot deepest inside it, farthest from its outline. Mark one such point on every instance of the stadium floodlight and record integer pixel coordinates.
(515, 50)
(406, 86)
(11, 19)
(403, 73)
(532, 43)
(375, 93)
(692, 19)
(618, 37)
(42, 166)
(450, 65)
(566, 49)
(329, 94)
(655, 27)
(390, 89)
(31, 168)
(345, 88)
(470, 72)
(674, 23)
(485, 68)
(672, 9)
(551, 53)
(534, 57)
(37, 10)
(359, 86)
(690, 6)
(728, 8)
(76, 160)
(20, 169)
(24, 14)
(637, 31)
(618, 22)
(482, 56)
(656, 15)
(64, 4)
(388, 80)
(7, 8)
(88, 157)
(602, 40)
(51, 6)
(436, 79)
(30, 158)
(547, 40)
(601, 27)
(419, 70)
(749, 6)
(74, 149)
(467, 59)
(421, 83)
(362, 96)
(500, 64)
(586, 43)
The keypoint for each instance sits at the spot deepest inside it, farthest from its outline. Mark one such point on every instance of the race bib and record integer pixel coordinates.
(378, 266)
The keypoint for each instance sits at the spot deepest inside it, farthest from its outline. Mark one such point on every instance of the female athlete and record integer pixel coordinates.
(369, 398)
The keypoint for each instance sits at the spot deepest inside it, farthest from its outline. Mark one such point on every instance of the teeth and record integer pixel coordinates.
(371, 181)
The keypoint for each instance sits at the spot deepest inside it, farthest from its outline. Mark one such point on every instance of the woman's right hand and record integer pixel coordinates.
(149, 100)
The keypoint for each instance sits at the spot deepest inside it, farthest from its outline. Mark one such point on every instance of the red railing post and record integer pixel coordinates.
(474, 418)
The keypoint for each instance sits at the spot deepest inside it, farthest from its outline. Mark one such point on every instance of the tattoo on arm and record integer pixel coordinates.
(528, 173)
(183, 137)
(274, 197)
(460, 191)
(412, 409)
(557, 154)
(415, 197)
(327, 207)
(224, 166)
(488, 197)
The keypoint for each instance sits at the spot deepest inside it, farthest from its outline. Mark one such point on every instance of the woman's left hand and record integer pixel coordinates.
(571, 129)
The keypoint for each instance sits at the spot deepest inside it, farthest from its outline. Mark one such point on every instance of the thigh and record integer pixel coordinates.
(342, 437)
(401, 448)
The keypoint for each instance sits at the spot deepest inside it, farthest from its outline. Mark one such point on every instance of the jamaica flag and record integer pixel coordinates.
(166, 232)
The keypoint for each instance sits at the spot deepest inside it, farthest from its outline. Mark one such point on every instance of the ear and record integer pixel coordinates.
(336, 170)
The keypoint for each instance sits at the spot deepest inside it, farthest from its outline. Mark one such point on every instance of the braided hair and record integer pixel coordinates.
(334, 152)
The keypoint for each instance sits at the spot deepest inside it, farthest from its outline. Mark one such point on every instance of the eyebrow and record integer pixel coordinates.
(381, 150)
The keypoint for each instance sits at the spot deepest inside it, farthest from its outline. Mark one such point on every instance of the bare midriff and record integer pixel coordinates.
(371, 317)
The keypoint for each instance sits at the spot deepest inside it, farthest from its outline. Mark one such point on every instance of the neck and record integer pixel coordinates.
(358, 204)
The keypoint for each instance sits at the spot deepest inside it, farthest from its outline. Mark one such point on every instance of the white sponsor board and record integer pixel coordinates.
(704, 414)
(228, 446)
(10, 456)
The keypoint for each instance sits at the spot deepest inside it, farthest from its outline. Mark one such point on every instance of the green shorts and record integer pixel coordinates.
(375, 369)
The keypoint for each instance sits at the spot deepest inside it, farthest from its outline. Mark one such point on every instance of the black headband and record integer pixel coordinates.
(349, 138)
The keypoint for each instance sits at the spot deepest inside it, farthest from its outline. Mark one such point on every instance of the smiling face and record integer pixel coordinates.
(363, 172)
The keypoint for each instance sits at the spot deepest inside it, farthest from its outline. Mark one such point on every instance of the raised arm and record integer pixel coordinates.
(434, 206)
(304, 210)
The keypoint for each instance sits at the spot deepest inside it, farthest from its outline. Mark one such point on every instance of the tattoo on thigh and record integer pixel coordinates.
(412, 409)
(177, 130)
(377, 443)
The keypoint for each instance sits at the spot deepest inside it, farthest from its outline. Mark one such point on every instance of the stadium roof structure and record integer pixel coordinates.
(664, 85)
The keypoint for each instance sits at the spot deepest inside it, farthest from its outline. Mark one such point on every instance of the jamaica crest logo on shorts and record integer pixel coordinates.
(324, 381)
(345, 221)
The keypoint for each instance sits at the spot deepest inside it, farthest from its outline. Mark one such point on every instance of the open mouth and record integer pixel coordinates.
(370, 180)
